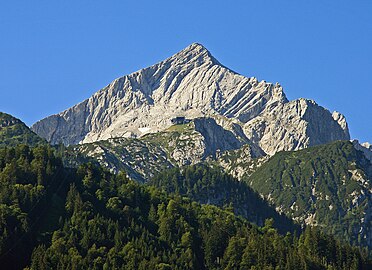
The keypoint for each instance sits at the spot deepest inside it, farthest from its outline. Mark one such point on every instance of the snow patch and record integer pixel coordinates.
(144, 129)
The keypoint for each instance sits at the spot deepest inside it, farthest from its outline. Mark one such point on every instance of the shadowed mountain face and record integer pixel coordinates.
(193, 84)
(210, 185)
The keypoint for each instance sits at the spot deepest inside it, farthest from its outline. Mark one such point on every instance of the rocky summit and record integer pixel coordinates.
(192, 84)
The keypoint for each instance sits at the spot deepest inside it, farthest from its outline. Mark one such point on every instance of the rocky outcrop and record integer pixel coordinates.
(242, 162)
(140, 159)
(366, 148)
(216, 138)
(7, 120)
(341, 120)
(295, 125)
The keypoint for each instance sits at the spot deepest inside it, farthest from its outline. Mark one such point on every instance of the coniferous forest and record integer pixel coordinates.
(209, 185)
(54, 217)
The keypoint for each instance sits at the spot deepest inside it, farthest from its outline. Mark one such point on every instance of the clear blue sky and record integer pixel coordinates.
(54, 54)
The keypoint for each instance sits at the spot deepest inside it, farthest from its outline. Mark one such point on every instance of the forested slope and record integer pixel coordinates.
(328, 186)
(91, 219)
(210, 185)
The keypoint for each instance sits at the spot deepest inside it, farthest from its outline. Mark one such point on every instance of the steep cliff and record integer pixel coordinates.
(295, 125)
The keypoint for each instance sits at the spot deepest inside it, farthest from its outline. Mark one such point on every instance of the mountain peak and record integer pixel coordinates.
(195, 52)
(197, 47)
(192, 84)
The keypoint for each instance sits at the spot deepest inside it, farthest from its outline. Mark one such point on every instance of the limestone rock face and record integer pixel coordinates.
(366, 148)
(295, 125)
(367, 145)
(191, 83)
(194, 85)
(341, 120)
